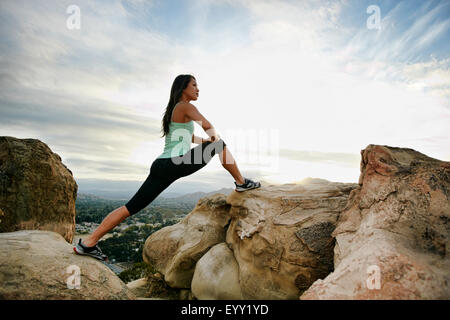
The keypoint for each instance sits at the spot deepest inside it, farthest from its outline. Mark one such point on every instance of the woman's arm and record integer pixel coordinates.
(199, 140)
(193, 114)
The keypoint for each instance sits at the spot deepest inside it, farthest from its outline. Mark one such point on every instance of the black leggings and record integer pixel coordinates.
(164, 171)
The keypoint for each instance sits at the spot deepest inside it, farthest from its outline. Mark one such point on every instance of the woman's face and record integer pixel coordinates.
(191, 91)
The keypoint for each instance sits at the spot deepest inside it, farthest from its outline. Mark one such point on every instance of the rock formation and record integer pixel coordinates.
(277, 243)
(387, 237)
(175, 250)
(281, 236)
(392, 239)
(37, 191)
(41, 265)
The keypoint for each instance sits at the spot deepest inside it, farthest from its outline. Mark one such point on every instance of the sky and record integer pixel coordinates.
(295, 88)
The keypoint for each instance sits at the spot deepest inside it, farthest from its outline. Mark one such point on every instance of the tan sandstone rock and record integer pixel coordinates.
(175, 250)
(41, 265)
(139, 287)
(216, 275)
(37, 191)
(392, 240)
(281, 236)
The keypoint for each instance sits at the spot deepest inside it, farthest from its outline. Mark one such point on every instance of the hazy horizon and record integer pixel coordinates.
(296, 88)
(124, 190)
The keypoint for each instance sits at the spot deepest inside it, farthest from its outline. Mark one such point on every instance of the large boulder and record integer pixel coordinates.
(281, 236)
(37, 191)
(175, 250)
(393, 238)
(41, 265)
(216, 275)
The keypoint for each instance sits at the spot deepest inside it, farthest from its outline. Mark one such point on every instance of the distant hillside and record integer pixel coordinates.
(124, 190)
(88, 196)
(189, 199)
(194, 197)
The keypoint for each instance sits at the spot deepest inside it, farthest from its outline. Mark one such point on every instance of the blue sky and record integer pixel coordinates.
(180, 21)
(295, 88)
(420, 26)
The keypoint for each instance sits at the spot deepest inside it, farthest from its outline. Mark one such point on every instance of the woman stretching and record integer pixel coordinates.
(177, 160)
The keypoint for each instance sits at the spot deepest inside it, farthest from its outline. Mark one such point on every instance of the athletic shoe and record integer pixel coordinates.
(248, 185)
(94, 251)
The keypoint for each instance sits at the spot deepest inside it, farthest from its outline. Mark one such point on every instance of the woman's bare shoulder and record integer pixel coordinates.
(185, 104)
(187, 107)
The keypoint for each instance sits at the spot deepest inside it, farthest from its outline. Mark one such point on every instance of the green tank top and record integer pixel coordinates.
(178, 140)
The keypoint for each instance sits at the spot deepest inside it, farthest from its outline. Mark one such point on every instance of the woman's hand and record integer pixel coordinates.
(213, 135)
(214, 138)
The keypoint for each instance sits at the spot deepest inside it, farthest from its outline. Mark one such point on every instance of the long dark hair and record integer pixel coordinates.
(179, 84)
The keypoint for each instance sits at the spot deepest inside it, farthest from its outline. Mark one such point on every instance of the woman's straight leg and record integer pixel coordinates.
(156, 182)
(148, 192)
(114, 218)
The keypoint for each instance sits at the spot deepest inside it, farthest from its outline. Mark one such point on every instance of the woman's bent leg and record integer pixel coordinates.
(197, 158)
(230, 165)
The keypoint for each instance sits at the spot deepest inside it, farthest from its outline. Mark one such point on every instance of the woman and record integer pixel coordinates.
(177, 160)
